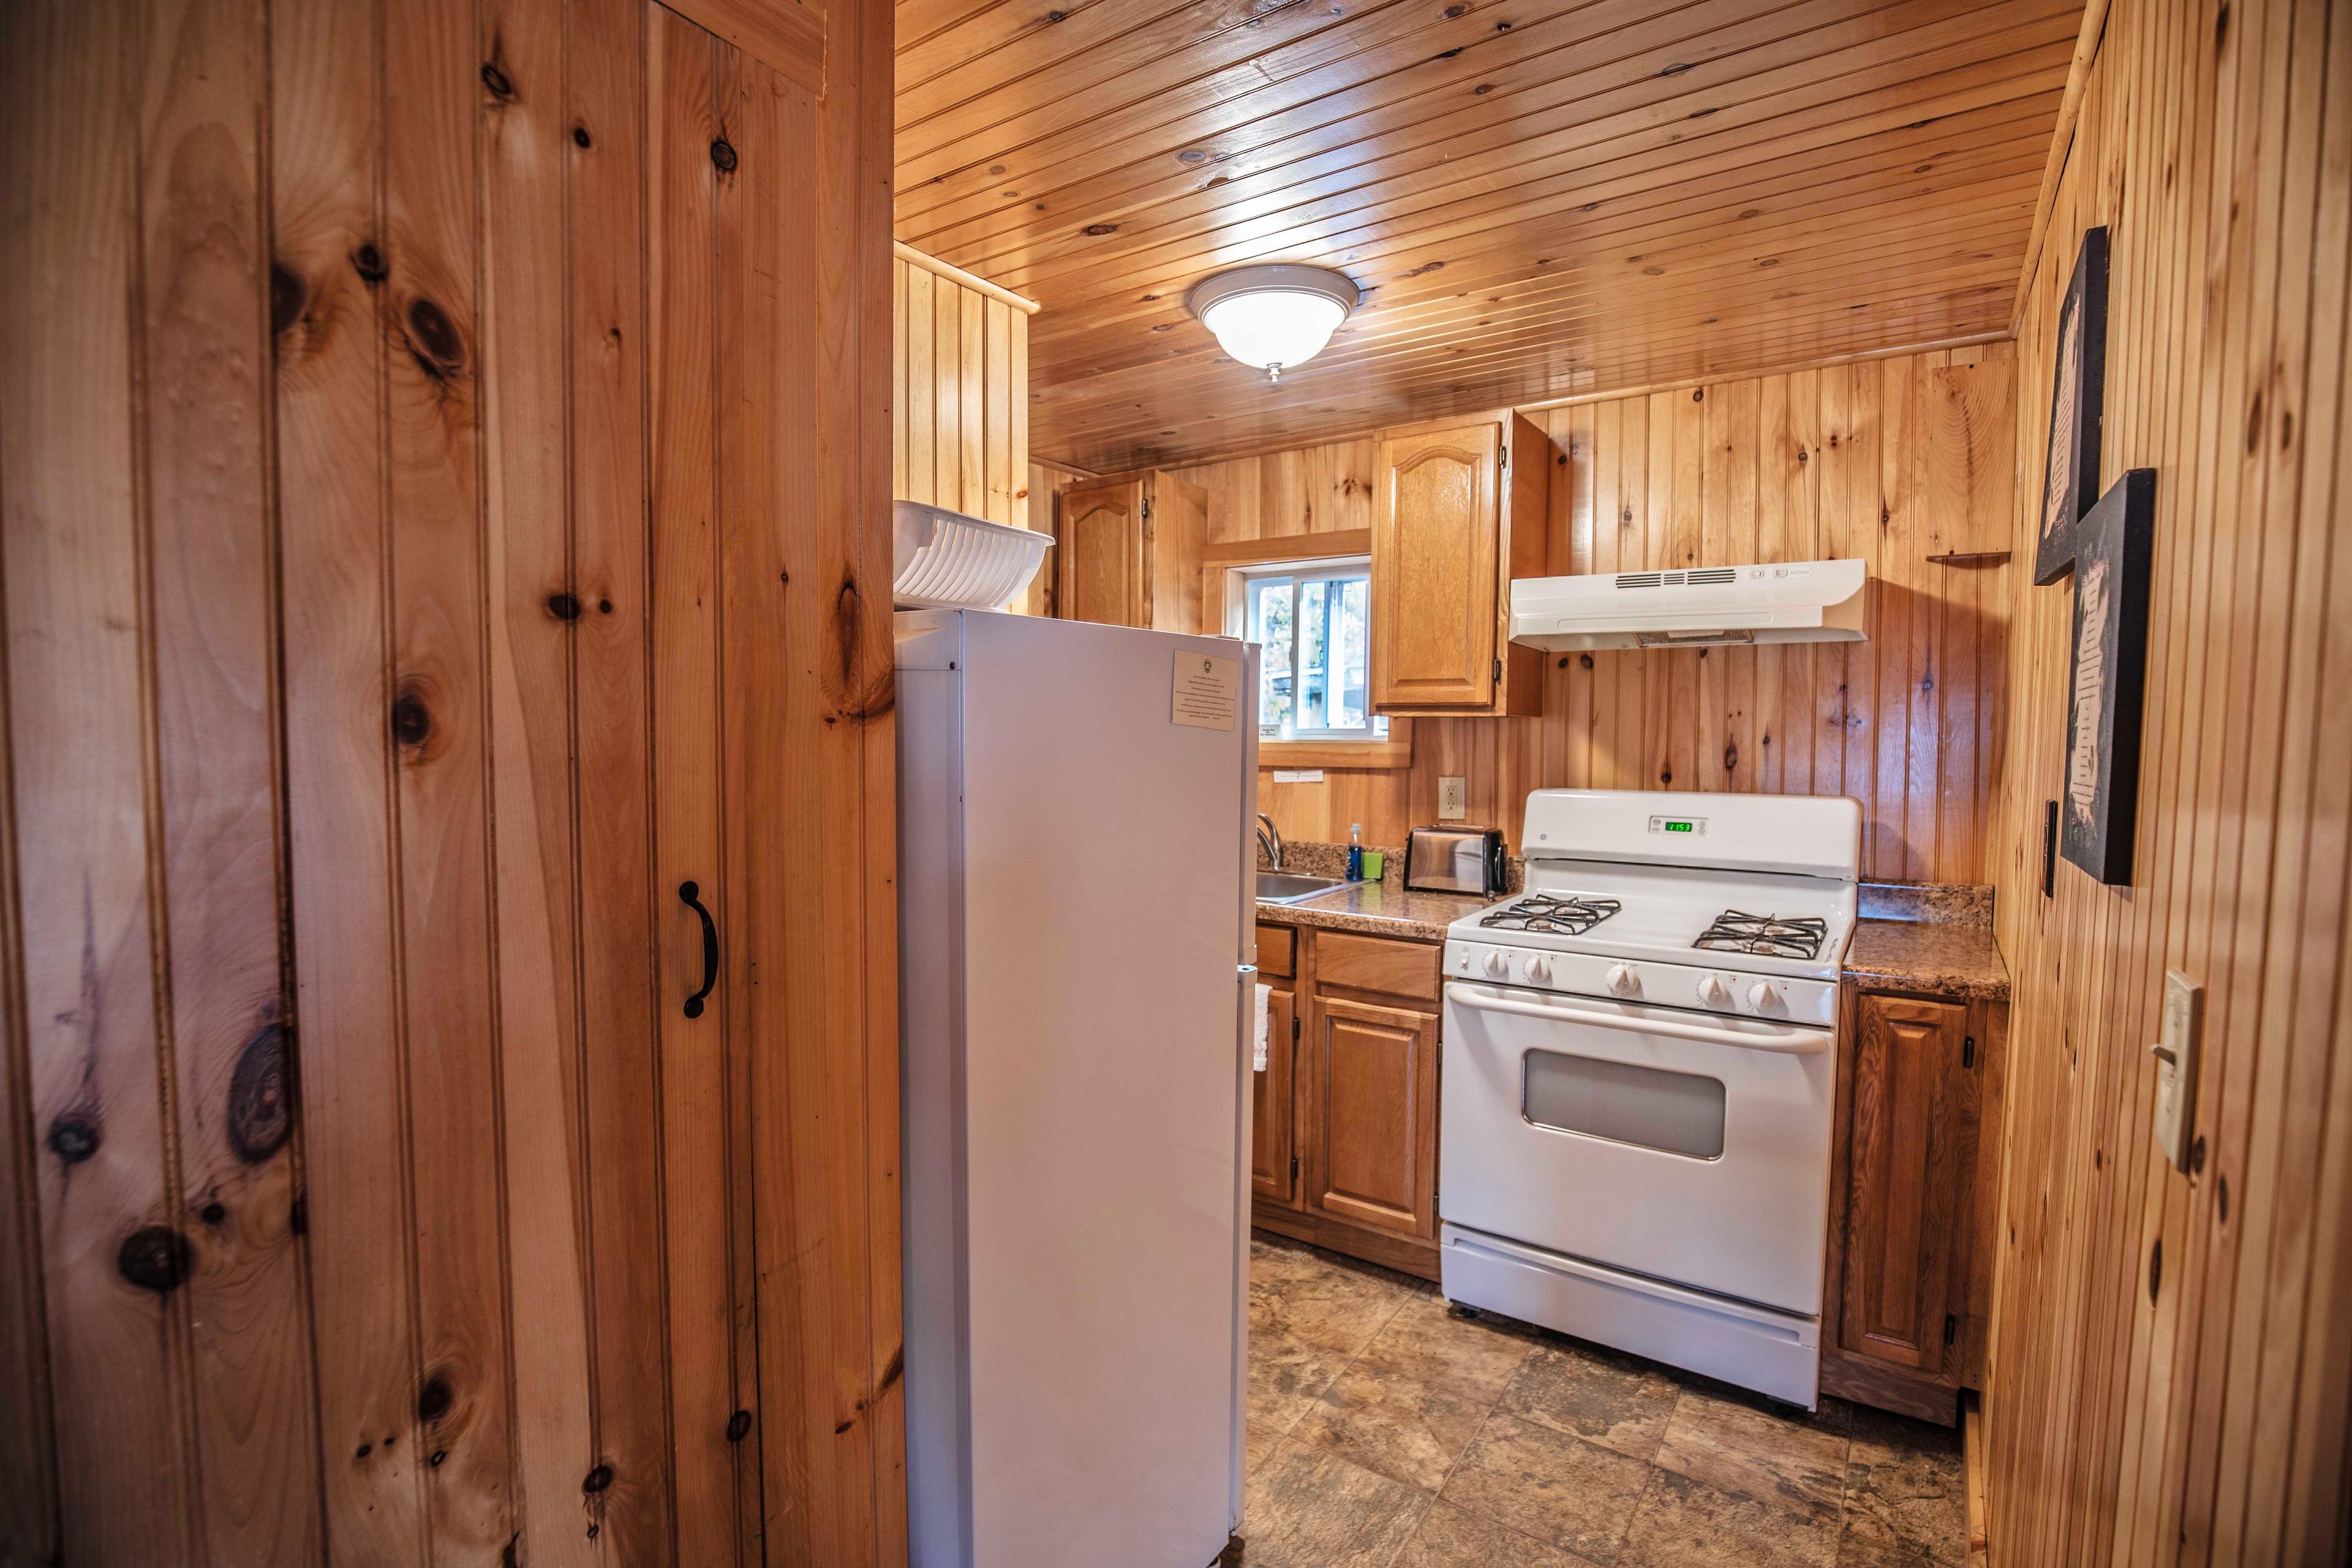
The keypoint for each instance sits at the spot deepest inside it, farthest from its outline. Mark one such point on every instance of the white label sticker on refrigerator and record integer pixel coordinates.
(1208, 691)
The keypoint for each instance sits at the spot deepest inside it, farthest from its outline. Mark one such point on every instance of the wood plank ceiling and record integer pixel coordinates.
(1539, 198)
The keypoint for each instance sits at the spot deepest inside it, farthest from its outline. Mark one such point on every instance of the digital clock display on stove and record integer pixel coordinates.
(1695, 827)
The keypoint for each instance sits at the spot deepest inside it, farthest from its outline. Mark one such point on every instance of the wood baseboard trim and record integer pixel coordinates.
(1406, 1255)
(1972, 1458)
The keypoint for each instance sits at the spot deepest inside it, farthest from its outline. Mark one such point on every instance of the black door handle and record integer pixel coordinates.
(689, 894)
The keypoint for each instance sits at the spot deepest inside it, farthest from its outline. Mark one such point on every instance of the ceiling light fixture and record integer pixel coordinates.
(1273, 317)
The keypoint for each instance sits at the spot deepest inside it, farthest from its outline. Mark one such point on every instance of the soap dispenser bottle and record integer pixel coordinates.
(1356, 852)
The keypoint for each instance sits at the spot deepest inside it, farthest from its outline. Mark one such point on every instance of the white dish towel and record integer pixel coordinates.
(1257, 1056)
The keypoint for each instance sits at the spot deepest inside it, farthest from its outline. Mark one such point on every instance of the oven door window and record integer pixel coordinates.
(1677, 1112)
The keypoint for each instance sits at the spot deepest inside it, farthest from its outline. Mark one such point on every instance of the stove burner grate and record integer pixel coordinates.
(1570, 916)
(1734, 931)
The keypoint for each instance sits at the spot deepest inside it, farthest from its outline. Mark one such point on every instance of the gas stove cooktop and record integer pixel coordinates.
(1571, 914)
(1695, 919)
(1734, 931)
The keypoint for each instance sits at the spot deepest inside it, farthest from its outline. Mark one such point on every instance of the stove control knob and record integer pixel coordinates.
(1763, 996)
(1540, 971)
(1714, 992)
(1498, 964)
(1622, 980)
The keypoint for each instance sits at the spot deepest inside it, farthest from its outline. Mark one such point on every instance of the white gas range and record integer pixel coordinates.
(1640, 1070)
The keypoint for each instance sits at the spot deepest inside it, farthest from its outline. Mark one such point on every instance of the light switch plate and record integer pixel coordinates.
(1453, 798)
(2183, 1028)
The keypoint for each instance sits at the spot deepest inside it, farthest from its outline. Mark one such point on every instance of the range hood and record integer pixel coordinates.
(1701, 607)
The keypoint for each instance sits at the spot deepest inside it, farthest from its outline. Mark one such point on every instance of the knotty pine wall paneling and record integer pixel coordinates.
(424, 549)
(960, 403)
(2170, 1376)
(1893, 459)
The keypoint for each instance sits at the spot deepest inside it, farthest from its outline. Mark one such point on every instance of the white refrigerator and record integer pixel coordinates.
(1076, 995)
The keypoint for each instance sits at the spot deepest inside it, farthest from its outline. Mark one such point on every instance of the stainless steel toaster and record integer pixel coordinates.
(1454, 860)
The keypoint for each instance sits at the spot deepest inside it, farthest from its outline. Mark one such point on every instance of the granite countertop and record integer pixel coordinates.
(1931, 957)
(1940, 958)
(1929, 940)
(1376, 909)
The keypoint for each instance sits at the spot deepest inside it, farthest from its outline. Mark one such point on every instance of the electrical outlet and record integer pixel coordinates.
(2176, 1066)
(1453, 799)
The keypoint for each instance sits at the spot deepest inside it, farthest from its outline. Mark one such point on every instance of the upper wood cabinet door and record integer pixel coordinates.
(1460, 512)
(1274, 1153)
(1435, 569)
(1908, 1175)
(1103, 572)
(1373, 1085)
(1130, 551)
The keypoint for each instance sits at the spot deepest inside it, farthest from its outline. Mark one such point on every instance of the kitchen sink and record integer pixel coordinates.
(1284, 888)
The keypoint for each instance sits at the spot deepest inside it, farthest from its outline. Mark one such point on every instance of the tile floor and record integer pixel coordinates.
(1384, 1432)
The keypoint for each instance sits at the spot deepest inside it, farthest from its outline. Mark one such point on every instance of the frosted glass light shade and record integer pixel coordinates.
(1274, 318)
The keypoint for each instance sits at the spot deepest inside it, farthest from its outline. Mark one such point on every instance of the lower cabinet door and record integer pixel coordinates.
(1274, 1148)
(1373, 1117)
(1907, 1181)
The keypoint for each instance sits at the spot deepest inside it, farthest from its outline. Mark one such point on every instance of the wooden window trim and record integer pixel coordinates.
(1227, 555)
(1222, 574)
(1396, 752)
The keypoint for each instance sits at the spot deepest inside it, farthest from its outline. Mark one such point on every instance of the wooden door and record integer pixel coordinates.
(1907, 1181)
(1104, 568)
(1273, 1149)
(1373, 1084)
(1435, 569)
(392, 634)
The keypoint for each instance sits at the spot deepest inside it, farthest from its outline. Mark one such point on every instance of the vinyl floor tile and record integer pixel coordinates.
(1766, 1455)
(1906, 1502)
(1287, 1375)
(1544, 1482)
(1686, 1524)
(1470, 1356)
(1307, 1508)
(1407, 1430)
(1383, 1431)
(1615, 1401)
(1326, 1305)
(1450, 1537)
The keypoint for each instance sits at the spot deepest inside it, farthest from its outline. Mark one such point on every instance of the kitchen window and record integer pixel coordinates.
(1313, 622)
(1306, 599)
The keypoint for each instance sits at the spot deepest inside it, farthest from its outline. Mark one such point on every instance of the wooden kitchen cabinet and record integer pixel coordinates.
(1127, 548)
(1344, 1144)
(1460, 512)
(1274, 1144)
(1273, 1151)
(1910, 1255)
(1373, 1082)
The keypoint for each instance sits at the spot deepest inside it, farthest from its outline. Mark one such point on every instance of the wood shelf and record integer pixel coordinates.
(1971, 558)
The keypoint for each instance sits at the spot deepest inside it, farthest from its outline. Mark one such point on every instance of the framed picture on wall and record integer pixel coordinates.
(2078, 395)
(2113, 561)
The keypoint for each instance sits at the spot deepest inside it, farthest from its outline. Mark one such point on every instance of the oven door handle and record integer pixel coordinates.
(1787, 1042)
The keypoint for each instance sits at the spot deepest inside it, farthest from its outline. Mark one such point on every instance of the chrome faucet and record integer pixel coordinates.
(1269, 838)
